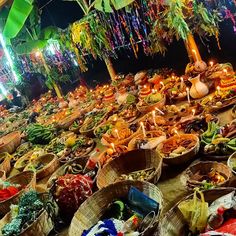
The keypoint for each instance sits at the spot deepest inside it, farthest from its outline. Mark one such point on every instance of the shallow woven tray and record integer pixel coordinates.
(51, 164)
(10, 142)
(26, 178)
(91, 210)
(145, 109)
(132, 143)
(173, 224)
(184, 158)
(60, 171)
(18, 164)
(204, 168)
(129, 162)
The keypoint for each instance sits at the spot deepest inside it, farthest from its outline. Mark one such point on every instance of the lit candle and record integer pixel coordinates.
(117, 133)
(193, 112)
(113, 146)
(181, 83)
(218, 90)
(176, 131)
(154, 118)
(211, 63)
(115, 119)
(91, 90)
(145, 86)
(143, 129)
(161, 112)
(195, 54)
(225, 71)
(188, 95)
(153, 91)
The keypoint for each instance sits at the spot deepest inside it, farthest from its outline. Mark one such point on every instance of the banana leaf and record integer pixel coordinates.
(18, 14)
(28, 47)
(50, 32)
(108, 5)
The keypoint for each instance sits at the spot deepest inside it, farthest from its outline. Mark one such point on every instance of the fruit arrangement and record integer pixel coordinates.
(218, 140)
(40, 134)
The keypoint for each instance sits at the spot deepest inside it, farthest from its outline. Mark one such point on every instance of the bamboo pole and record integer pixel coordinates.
(192, 49)
(110, 68)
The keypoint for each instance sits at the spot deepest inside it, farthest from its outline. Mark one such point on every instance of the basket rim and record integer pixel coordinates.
(121, 159)
(191, 149)
(15, 134)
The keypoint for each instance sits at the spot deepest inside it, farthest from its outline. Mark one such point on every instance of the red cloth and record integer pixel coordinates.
(8, 192)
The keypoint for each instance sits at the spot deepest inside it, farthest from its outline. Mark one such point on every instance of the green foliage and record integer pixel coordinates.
(17, 17)
(108, 5)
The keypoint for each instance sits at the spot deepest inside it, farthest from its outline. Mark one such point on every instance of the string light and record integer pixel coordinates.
(9, 59)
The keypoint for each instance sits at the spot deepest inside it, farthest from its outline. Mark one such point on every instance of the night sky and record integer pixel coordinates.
(61, 14)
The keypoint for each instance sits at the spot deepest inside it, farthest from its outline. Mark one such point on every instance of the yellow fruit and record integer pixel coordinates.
(70, 142)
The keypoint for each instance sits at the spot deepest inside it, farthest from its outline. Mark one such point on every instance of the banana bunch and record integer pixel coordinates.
(39, 134)
(210, 133)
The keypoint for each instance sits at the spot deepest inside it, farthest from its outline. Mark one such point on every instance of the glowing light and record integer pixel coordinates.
(211, 63)
(9, 59)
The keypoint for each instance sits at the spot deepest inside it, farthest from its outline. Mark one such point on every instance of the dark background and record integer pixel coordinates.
(61, 14)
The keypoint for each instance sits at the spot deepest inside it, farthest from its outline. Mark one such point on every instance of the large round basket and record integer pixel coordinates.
(5, 162)
(50, 162)
(91, 210)
(40, 227)
(129, 162)
(183, 158)
(26, 179)
(61, 171)
(10, 142)
(151, 134)
(149, 108)
(173, 224)
(203, 169)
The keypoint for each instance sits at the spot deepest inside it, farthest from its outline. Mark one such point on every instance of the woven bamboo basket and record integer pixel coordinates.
(23, 161)
(173, 224)
(90, 132)
(68, 121)
(50, 161)
(5, 160)
(91, 210)
(40, 227)
(10, 142)
(183, 158)
(145, 109)
(230, 161)
(204, 168)
(150, 134)
(61, 171)
(129, 162)
(25, 178)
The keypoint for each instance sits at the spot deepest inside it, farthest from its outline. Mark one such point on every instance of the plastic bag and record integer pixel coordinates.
(195, 212)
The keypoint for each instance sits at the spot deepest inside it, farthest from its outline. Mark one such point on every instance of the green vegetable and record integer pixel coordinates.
(153, 98)
(130, 99)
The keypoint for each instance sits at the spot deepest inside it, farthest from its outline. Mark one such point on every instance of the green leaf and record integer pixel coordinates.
(50, 32)
(18, 14)
(108, 5)
(28, 47)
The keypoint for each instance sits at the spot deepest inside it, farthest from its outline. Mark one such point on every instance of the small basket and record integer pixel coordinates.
(68, 121)
(23, 161)
(10, 142)
(229, 162)
(132, 143)
(149, 108)
(51, 164)
(40, 227)
(204, 168)
(91, 210)
(129, 162)
(6, 163)
(183, 158)
(25, 178)
(61, 171)
(174, 224)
